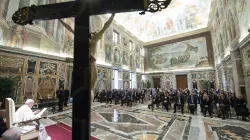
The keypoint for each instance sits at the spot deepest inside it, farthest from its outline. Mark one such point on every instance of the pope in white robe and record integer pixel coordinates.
(24, 113)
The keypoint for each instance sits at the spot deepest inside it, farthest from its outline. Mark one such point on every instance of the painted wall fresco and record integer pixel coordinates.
(225, 27)
(243, 11)
(151, 26)
(185, 54)
(103, 78)
(49, 37)
(119, 54)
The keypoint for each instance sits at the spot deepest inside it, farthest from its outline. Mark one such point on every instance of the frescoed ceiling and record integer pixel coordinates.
(181, 16)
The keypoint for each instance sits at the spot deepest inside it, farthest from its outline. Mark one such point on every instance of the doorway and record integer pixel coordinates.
(181, 81)
(157, 82)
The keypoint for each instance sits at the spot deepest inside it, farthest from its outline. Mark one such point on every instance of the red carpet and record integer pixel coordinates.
(61, 131)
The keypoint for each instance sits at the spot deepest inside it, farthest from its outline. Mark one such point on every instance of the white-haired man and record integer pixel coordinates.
(24, 113)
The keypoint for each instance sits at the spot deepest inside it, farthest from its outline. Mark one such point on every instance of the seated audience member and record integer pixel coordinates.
(223, 105)
(152, 101)
(201, 100)
(179, 102)
(240, 108)
(206, 105)
(24, 113)
(192, 103)
(214, 100)
(166, 101)
(3, 126)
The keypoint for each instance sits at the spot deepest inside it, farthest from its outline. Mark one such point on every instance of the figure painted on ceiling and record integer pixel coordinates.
(1, 36)
(68, 46)
(169, 24)
(232, 25)
(242, 7)
(18, 37)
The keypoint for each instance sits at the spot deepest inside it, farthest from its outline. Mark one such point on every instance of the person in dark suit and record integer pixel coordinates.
(192, 103)
(223, 105)
(241, 108)
(166, 101)
(179, 102)
(61, 95)
(207, 105)
(3, 126)
(123, 96)
(66, 98)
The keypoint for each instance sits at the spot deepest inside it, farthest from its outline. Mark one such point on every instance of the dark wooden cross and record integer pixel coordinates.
(81, 10)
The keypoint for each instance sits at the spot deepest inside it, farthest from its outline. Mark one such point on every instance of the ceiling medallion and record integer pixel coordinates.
(156, 5)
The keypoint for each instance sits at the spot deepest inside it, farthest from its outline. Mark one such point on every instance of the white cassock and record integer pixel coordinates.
(24, 113)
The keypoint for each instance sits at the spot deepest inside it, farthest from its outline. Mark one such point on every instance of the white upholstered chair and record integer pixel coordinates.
(10, 116)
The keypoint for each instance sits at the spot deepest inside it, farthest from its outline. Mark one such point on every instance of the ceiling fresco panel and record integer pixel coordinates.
(151, 26)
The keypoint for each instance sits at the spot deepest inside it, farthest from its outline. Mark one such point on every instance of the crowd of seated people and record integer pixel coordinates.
(122, 96)
(213, 103)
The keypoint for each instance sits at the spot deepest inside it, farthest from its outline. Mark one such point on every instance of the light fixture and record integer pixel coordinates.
(156, 5)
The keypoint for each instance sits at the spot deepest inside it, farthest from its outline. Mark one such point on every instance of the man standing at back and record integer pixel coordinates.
(66, 98)
(61, 96)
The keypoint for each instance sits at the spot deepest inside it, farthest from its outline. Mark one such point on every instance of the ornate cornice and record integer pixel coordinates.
(244, 42)
(29, 53)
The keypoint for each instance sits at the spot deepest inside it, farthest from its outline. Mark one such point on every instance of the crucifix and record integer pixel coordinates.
(84, 70)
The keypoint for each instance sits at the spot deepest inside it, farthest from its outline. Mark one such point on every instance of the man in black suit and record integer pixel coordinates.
(66, 98)
(241, 108)
(192, 103)
(179, 102)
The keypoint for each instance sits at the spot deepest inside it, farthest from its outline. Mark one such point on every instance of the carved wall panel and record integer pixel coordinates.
(46, 88)
(166, 81)
(11, 65)
(126, 80)
(29, 87)
(103, 78)
(47, 68)
(31, 66)
(62, 70)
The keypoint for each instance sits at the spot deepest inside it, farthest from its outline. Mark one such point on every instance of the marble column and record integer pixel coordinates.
(238, 76)
(3, 9)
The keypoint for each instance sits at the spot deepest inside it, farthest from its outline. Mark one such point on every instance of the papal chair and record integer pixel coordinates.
(10, 115)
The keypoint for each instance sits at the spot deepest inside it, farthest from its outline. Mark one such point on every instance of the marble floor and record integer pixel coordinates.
(113, 122)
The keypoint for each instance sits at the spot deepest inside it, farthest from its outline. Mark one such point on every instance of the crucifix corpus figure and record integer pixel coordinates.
(94, 38)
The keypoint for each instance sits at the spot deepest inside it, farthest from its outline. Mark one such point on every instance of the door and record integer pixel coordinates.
(181, 81)
(157, 82)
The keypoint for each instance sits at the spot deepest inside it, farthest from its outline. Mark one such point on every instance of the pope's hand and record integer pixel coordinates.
(37, 111)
